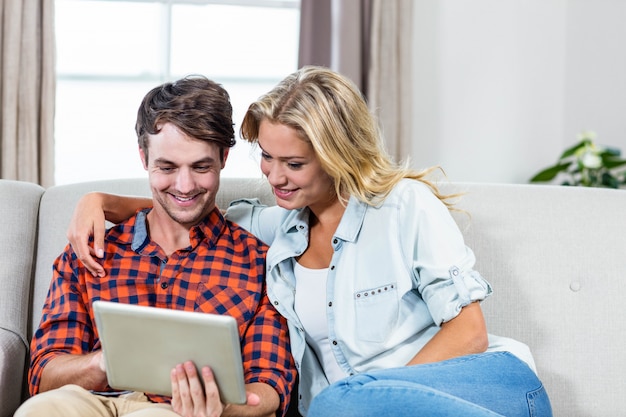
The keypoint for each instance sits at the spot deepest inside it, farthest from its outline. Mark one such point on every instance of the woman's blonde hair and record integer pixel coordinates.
(328, 111)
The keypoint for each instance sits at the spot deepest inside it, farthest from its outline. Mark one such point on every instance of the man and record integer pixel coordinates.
(179, 254)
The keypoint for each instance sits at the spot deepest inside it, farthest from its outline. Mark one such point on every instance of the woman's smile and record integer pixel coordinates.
(283, 193)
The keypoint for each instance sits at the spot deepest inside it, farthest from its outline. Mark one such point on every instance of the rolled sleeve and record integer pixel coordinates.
(445, 298)
(442, 263)
(242, 212)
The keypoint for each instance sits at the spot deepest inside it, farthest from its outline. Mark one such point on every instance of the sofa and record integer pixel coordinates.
(555, 256)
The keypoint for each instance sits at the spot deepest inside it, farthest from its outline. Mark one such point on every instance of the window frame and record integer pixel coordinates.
(159, 73)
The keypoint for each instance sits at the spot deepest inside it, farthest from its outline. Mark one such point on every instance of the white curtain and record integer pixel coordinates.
(370, 42)
(27, 90)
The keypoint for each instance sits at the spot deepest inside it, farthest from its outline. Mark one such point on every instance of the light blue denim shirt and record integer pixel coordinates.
(398, 271)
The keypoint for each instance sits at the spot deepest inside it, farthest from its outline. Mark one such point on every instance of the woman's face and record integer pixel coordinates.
(293, 169)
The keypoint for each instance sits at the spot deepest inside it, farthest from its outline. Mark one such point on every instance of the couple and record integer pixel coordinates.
(369, 288)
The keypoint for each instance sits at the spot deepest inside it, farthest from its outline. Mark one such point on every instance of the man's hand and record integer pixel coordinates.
(189, 398)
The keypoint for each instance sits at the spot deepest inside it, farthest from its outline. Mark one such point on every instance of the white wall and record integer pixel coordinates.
(503, 86)
(595, 97)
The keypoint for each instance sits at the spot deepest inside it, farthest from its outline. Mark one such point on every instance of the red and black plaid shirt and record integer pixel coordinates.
(222, 272)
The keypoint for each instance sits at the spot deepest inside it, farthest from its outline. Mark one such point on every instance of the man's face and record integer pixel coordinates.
(184, 175)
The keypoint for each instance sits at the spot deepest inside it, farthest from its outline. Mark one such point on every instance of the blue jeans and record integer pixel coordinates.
(488, 384)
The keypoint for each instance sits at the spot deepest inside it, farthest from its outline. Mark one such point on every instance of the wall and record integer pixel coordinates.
(503, 86)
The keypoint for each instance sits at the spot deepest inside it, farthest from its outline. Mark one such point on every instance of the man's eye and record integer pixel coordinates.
(202, 168)
(166, 169)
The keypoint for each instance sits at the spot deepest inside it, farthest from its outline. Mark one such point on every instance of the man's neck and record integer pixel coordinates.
(165, 232)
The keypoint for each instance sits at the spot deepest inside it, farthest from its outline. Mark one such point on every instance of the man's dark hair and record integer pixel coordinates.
(197, 106)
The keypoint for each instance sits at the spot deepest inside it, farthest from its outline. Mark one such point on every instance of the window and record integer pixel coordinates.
(110, 53)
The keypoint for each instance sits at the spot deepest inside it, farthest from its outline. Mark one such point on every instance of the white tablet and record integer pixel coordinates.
(142, 345)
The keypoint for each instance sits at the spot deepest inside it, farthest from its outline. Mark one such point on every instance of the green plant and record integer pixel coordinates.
(587, 164)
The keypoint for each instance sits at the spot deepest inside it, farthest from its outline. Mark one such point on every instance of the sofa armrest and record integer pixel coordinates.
(19, 207)
(12, 364)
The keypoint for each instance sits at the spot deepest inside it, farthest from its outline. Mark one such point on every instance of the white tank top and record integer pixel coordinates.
(310, 306)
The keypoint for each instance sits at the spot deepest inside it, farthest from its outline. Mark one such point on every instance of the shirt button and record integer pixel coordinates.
(164, 285)
(330, 304)
(335, 342)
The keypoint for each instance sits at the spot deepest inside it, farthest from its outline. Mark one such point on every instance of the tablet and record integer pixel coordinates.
(141, 345)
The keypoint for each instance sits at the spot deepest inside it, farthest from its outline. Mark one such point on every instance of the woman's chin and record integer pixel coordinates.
(287, 204)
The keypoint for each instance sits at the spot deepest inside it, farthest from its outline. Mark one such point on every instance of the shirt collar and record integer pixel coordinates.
(349, 226)
(352, 220)
(209, 229)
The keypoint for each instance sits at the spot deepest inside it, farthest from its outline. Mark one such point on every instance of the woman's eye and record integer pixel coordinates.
(294, 165)
(265, 156)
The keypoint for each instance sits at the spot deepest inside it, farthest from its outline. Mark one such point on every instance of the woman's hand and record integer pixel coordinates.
(88, 220)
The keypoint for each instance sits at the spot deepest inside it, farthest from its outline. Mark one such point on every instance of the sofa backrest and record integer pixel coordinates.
(555, 257)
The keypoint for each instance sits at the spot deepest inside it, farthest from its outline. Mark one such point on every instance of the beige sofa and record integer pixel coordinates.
(556, 257)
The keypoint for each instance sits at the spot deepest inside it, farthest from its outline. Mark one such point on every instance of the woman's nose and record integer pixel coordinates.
(275, 174)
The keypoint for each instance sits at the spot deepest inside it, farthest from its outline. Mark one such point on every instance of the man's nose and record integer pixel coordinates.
(185, 181)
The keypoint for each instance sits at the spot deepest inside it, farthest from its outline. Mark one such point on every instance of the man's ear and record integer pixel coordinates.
(144, 160)
(226, 150)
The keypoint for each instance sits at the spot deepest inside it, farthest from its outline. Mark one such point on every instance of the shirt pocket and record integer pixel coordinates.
(239, 303)
(376, 312)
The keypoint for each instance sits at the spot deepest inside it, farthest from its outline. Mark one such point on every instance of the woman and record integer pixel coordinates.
(368, 267)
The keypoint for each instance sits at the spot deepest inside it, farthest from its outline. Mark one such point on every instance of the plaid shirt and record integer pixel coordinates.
(222, 272)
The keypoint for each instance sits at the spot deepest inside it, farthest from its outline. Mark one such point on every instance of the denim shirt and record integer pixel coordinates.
(399, 270)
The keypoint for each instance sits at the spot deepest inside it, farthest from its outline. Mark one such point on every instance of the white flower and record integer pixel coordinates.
(589, 155)
(590, 159)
